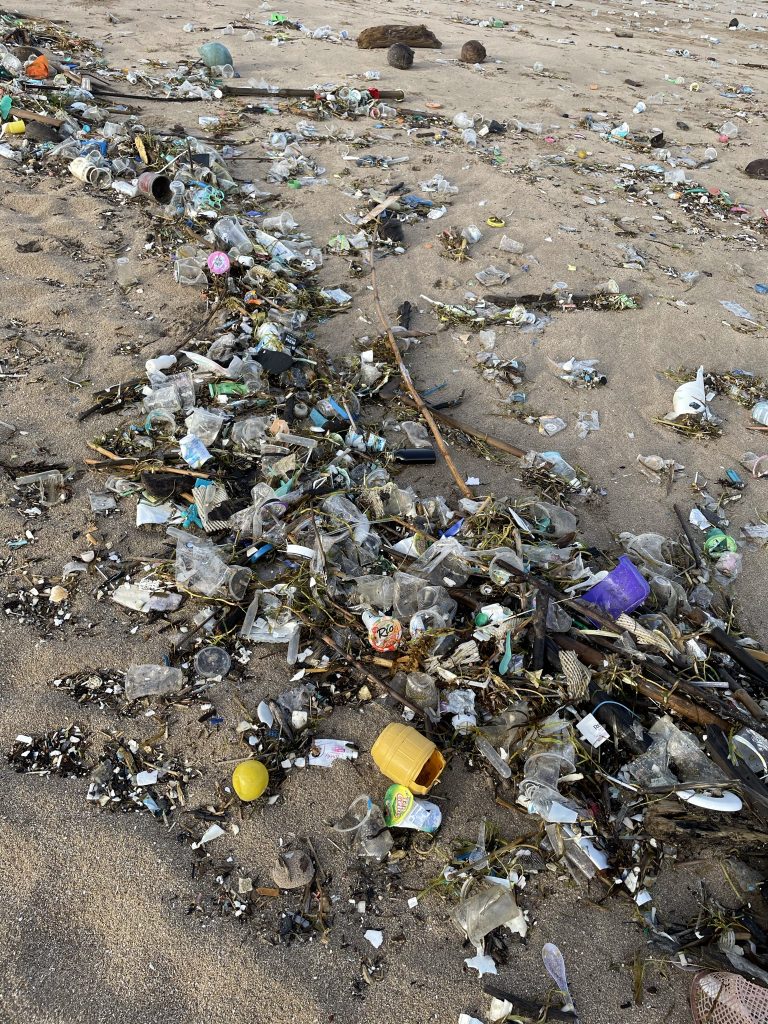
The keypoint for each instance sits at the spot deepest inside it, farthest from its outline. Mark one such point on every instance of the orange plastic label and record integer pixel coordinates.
(384, 634)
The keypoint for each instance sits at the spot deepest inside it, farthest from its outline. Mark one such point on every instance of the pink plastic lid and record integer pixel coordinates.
(218, 263)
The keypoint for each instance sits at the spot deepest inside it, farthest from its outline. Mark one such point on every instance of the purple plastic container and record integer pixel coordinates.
(622, 590)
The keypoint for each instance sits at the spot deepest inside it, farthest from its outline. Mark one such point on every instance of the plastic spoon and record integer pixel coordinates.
(555, 968)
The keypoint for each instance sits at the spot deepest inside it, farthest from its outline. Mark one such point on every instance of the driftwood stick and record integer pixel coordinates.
(740, 654)
(418, 401)
(494, 442)
(233, 89)
(688, 535)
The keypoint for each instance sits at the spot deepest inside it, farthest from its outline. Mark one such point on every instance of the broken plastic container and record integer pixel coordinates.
(722, 998)
(365, 829)
(494, 907)
(405, 756)
(622, 590)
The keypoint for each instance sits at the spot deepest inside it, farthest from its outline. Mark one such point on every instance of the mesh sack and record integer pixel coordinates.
(721, 998)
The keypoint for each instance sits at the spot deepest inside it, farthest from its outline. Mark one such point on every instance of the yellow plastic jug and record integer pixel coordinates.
(408, 758)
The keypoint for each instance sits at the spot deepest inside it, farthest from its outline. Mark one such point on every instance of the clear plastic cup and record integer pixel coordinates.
(125, 274)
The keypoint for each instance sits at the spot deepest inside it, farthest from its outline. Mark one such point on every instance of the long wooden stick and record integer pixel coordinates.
(418, 401)
(688, 535)
(234, 89)
(494, 442)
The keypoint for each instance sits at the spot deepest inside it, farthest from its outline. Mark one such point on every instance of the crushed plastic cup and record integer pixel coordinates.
(152, 680)
(493, 907)
(365, 829)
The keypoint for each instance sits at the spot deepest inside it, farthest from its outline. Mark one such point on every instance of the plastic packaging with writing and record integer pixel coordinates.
(404, 810)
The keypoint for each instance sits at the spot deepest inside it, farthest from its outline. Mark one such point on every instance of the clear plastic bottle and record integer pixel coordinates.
(11, 64)
(420, 689)
(559, 467)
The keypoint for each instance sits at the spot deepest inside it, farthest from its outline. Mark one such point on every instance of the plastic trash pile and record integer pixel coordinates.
(608, 695)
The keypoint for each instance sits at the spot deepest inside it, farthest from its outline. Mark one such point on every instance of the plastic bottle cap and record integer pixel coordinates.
(250, 779)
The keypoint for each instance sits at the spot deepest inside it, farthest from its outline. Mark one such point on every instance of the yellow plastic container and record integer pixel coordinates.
(408, 758)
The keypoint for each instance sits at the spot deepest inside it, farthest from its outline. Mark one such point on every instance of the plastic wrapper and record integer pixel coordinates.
(651, 550)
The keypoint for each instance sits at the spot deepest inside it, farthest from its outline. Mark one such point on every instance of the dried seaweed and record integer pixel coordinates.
(61, 752)
(120, 785)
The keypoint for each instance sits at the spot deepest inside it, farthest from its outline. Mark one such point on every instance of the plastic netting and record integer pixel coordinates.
(721, 998)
